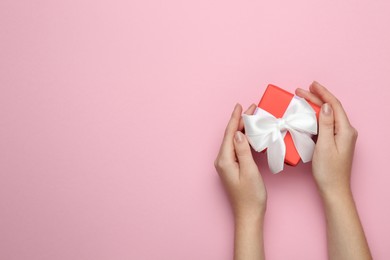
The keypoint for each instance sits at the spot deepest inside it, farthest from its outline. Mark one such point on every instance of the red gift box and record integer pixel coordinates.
(275, 101)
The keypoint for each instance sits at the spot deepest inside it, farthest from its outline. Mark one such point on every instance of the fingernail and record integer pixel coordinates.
(238, 136)
(326, 109)
(235, 107)
(315, 83)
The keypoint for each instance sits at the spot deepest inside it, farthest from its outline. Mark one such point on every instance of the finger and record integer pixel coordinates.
(309, 96)
(227, 146)
(251, 109)
(243, 151)
(341, 118)
(326, 127)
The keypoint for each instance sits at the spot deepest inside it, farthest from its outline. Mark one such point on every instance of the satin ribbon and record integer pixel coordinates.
(266, 131)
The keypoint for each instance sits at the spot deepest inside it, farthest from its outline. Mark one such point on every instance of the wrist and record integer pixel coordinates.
(331, 190)
(252, 219)
(337, 196)
(249, 225)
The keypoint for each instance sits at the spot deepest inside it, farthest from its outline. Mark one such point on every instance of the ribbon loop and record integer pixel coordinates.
(266, 131)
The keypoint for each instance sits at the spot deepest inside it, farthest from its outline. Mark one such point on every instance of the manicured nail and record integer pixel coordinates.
(252, 106)
(315, 83)
(318, 84)
(326, 109)
(238, 136)
(234, 109)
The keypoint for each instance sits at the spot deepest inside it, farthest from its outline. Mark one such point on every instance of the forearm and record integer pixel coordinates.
(248, 239)
(346, 239)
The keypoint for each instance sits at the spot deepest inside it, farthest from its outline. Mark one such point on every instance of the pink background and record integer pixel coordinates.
(112, 112)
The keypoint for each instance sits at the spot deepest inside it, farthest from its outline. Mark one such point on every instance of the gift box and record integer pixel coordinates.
(275, 101)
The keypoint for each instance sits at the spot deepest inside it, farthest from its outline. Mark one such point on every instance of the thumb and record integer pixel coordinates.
(243, 150)
(326, 126)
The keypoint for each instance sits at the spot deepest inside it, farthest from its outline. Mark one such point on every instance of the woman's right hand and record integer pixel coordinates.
(332, 165)
(333, 154)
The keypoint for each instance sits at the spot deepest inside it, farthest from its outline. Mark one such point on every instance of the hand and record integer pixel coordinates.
(238, 171)
(245, 188)
(332, 163)
(333, 154)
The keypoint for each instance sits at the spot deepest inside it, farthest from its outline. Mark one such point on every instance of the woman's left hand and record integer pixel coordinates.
(239, 172)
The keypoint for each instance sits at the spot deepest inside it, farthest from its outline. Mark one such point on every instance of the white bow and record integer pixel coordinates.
(266, 131)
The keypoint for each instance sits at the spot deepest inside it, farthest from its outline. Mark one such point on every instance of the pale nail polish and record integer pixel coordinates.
(238, 137)
(235, 107)
(326, 109)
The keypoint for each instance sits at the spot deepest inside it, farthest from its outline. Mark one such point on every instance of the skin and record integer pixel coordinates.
(245, 188)
(331, 168)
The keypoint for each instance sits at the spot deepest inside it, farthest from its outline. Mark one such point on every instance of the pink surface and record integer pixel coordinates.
(112, 112)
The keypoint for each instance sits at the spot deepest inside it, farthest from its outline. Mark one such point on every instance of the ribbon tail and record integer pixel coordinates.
(276, 152)
(304, 144)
